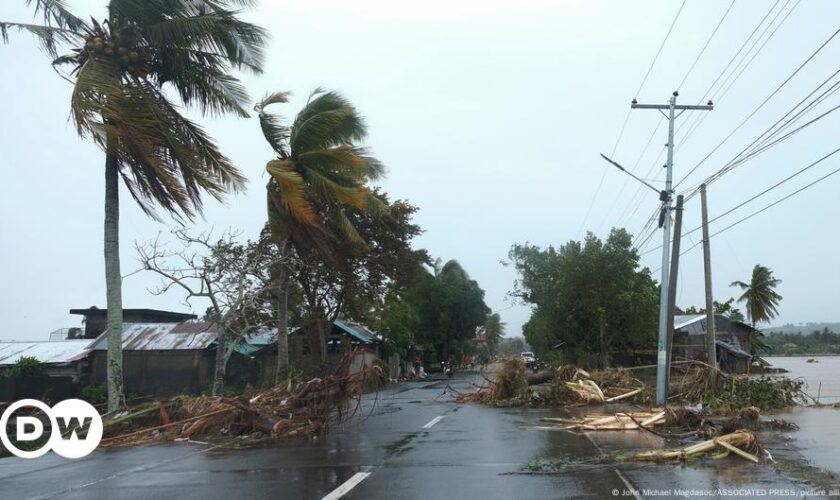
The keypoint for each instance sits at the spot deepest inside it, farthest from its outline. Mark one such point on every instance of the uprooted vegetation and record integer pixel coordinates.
(730, 392)
(293, 408)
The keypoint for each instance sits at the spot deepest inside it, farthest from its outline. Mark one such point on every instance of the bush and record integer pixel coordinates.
(26, 365)
(95, 394)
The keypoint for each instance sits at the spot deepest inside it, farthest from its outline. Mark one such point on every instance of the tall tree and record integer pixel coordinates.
(121, 68)
(585, 295)
(317, 178)
(760, 295)
(449, 307)
(494, 328)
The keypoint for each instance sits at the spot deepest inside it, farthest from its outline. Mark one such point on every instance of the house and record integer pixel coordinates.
(96, 319)
(65, 366)
(733, 340)
(59, 358)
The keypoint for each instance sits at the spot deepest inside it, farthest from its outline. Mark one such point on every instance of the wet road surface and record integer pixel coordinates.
(414, 442)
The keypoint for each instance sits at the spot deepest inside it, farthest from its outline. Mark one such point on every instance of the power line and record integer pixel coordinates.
(626, 118)
(762, 193)
(782, 85)
(706, 45)
(759, 145)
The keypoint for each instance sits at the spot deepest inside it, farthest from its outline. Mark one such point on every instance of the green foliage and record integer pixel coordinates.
(727, 308)
(766, 393)
(591, 297)
(818, 342)
(26, 365)
(119, 69)
(449, 307)
(760, 295)
(95, 394)
(493, 330)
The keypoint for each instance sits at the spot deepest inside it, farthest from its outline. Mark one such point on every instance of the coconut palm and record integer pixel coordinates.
(121, 69)
(318, 179)
(760, 295)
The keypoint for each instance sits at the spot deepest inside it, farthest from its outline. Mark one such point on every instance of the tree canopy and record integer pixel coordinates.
(588, 297)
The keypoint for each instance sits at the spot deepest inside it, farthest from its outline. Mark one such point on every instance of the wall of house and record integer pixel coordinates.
(160, 373)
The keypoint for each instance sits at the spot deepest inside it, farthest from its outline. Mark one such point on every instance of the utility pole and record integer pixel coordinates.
(672, 287)
(711, 348)
(661, 359)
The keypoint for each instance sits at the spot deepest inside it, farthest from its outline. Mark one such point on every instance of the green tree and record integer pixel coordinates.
(317, 178)
(760, 295)
(450, 306)
(121, 70)
(589, 297)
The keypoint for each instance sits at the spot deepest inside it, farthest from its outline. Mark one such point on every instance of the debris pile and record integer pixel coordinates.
(742, 443)
(292, 408)
(508, 383)
(616, 422)
(730, 392)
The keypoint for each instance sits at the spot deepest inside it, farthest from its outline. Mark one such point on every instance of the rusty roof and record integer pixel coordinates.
(186, 335)
(51, 352)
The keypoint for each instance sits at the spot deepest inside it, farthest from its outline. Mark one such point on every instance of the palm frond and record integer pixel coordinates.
(49, 37)
(327, 120)
(275, 133)
(291, 191)
(55, 13)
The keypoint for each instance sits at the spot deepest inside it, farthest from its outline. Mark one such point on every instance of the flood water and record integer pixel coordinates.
(818, 437)
(822, 376)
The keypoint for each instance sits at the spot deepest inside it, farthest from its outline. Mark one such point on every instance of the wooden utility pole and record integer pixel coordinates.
(711, 349)
(672, 288)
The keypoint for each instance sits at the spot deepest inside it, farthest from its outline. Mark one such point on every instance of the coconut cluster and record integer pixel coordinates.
(120, 48)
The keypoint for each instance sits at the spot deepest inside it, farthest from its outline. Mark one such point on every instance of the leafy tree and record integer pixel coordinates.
(318, 176)
(121, 70)
(450, 306)
(355, 281)
(760, 295)
(726, 308)
(591, 297)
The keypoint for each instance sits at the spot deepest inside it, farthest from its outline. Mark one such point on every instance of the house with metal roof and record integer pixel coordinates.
(59, 357)
(733, 341)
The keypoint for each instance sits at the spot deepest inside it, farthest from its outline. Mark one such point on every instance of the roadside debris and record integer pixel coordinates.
(292, 408)
(742, 443)
(616, 422)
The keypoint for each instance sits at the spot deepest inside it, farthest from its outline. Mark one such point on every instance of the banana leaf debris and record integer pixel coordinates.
(743, 443)
(293, 408)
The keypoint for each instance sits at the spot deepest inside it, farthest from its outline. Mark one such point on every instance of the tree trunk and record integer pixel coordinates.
(113, 284)
(282, 368)
(321, 339)
(604, 360)
(220, 366)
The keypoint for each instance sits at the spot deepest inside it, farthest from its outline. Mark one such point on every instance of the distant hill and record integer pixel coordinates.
(804, 328)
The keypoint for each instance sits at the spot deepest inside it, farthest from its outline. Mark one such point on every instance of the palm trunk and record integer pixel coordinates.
(220, 365)
(113, 284)
(282, 368)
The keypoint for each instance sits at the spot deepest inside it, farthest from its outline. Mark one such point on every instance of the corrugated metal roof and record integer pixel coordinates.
(359, 331)
(162, 336)
(54, 352)
(681, 320)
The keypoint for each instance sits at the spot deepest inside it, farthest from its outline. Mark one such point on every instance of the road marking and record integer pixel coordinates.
(433, 422)
(346, 486)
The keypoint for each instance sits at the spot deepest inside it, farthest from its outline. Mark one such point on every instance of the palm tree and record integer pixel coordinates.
(317, 179)
(760, 295)
(120, 69)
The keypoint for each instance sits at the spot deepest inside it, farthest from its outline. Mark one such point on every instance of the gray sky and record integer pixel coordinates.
(489, 115)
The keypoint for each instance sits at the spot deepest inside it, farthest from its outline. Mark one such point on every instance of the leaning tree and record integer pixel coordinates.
(124, 70)
(318, 177)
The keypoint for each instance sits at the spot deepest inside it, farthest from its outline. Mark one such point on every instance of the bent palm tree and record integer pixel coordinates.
(761, 300)
(120, 68)
(318, 177)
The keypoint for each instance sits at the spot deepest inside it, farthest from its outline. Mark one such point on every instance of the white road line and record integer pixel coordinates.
(433, 422)
(346, 486)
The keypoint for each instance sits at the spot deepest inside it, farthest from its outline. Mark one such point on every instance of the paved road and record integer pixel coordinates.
(415, 442)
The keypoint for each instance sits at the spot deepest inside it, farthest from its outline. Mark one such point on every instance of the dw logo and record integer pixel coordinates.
(75, 429)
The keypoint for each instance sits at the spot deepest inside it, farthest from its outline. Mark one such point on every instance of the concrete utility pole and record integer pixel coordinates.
(672, 287)
(665, 197)
(707, 271)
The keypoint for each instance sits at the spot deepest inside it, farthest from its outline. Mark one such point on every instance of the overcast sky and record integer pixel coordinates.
(490, 116)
